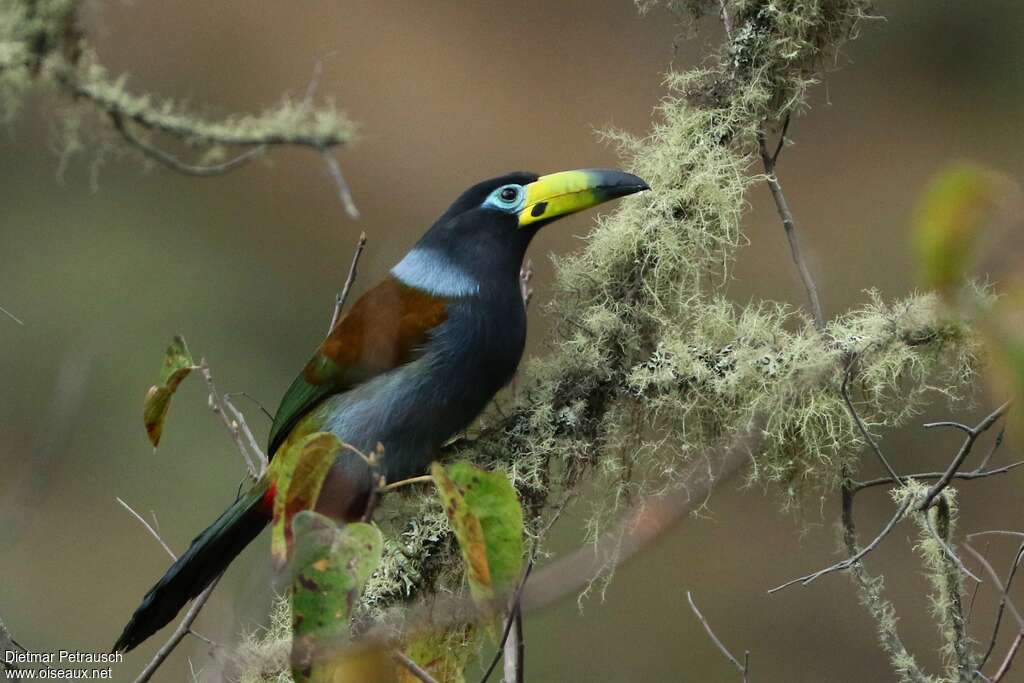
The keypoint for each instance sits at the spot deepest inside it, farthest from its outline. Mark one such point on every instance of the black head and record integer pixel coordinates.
(485, 232)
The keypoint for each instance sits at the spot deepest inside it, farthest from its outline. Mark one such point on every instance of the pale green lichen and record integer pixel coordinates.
(935, 545)
(264, 655)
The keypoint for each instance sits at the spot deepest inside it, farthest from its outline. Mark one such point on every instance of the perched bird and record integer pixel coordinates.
(412, 363)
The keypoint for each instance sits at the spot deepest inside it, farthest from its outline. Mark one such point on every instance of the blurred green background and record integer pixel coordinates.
(246, 267)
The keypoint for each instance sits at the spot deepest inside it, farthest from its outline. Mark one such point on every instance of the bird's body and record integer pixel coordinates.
(413, 362)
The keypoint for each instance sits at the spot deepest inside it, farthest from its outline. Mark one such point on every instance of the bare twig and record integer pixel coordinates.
(854, 558)
(925, 476)
(339, 300)
(972, 435)
(229, 396)
(412, 667)
(742, 668)
(948, 551)
(254, 457)
(183, 629)
(515, 650)
(1002, 605)
(344, 191)
(174, 163)
(525, 278)
(789, 225)
(987, 566)
(726, 19)
(12, 316)
(149, 528)
(515, 608)
(845, 390)
(1008, 660)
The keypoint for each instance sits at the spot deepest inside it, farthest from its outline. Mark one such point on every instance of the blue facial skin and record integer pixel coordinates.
(507, 198)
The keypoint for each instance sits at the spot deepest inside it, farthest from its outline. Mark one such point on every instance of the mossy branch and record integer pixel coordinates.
(41, 44)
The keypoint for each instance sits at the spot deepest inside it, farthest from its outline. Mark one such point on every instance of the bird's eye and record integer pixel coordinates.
(509, 194)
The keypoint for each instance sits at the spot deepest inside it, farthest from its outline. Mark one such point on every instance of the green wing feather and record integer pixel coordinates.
(384, 329)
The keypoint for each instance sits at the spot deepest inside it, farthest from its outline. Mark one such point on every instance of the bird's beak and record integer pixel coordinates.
(559, 194)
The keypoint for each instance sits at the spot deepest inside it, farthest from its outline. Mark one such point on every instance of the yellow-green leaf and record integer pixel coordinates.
(484, 512)
(1003, 330)
(955, 210)
(298, 475)
(330, 566)
(442, 654)
(177, 364)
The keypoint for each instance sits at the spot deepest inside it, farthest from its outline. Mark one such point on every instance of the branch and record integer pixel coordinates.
(174, 163)
(254, 457)
(11, 316)
(871, 597)
(339, 300)
(344, 192)
(965, 450)
(179, 634)
(742, 668)
(845, 390)
(788, 224)
(412, 667)
(149, 528)
(855, 557)
(861, 485)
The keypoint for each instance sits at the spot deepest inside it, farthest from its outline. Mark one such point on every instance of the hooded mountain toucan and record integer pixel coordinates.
(413, 362)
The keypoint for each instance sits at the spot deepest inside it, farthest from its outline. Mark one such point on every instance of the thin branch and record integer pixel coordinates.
(515, 608)
(344, 191)
(1002, 605)
(412, 667)
(1014, 649)
(742, 668)
(149, 528)
(254, 457)
(515, 650)
(965, 450)
(948, 551)
(845, 390)
(183, 629)
(229, 396)
(174, 163)
(12, 316)
(987, 566)
(339, 300)
(853, 559)
(726, 19)
(789, 225)
(925, 476)
(992, 450)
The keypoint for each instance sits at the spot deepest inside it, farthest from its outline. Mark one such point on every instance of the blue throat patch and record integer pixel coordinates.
(432, 272)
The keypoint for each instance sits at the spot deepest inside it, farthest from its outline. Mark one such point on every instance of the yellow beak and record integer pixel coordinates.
(560, 194)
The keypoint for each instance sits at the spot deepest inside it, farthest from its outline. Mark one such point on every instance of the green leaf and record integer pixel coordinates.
(442, 654)
(484, 512)
(955, 210)
(298, 476)
(330, 567)
(177, 364)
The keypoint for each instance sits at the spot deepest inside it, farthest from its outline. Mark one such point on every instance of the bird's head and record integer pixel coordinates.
(482, 237)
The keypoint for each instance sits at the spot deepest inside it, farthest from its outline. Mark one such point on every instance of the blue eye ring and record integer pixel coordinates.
(508, 198)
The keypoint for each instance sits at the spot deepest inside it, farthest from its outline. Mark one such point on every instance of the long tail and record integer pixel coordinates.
(209, 555)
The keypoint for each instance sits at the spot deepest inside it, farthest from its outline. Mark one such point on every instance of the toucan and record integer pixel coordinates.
(413, 362)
